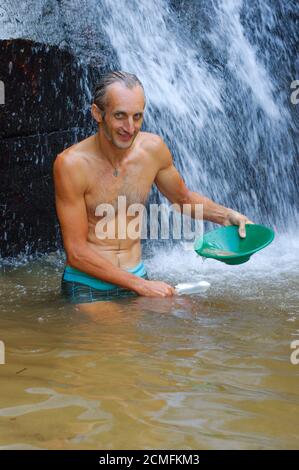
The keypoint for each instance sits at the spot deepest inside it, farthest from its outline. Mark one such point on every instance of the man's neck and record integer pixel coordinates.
(110, 151)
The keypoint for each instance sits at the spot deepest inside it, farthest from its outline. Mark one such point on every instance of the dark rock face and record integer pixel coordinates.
(47, 108)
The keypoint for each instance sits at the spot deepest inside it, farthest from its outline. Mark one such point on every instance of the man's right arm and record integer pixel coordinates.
(70, 185)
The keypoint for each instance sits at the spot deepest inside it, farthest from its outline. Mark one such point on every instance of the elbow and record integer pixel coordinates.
(74, 256)
(184, 198)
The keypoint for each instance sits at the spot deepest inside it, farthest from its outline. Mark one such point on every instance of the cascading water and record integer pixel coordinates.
(228, 123)
(214, 83)
(208, 371)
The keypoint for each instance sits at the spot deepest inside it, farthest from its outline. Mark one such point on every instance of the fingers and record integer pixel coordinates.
(158, 289)
(173, 291)
(242, 229)
(170, 291)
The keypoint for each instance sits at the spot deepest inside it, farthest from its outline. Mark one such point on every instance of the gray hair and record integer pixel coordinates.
(128, 79)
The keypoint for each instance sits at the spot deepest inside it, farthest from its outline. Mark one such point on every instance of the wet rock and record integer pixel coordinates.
(46, 109)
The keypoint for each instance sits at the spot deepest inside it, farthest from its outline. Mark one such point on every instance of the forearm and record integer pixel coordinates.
(90, 262)
(211, 211)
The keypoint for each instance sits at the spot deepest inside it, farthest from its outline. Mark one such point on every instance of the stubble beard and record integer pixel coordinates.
(108, 135)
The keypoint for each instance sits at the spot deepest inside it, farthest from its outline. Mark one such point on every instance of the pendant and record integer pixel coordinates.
(115, 173)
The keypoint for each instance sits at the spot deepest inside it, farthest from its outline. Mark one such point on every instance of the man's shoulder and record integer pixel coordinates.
(151, 141)
(73, 156)
(71, 166)
(156, 147)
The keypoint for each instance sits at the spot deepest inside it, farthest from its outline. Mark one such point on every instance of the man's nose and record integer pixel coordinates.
(130, 126)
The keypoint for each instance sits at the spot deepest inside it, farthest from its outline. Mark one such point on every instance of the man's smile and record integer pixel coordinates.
(125, 136)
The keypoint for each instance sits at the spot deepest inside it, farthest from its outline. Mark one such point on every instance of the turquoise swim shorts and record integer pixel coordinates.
(79, 287)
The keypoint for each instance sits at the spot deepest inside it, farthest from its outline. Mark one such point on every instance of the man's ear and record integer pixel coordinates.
(96, 113)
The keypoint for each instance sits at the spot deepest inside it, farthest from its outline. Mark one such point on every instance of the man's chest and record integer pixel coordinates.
(131, 186)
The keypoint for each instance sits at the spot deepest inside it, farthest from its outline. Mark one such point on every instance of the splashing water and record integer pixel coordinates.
(217, 77)
(211, 371)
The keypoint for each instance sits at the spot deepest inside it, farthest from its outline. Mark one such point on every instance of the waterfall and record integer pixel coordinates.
(212, 96)
(217, 77)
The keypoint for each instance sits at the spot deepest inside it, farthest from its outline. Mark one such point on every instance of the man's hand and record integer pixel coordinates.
(154, 289)
(235, 218)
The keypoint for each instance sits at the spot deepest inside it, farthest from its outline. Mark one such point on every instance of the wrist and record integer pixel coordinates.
(136, 283)
(220, 215)
(226, 215)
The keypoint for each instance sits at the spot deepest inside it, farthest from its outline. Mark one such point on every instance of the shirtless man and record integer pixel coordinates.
(118, 160)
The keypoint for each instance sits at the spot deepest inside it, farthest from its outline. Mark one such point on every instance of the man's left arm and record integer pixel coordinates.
(171, 184)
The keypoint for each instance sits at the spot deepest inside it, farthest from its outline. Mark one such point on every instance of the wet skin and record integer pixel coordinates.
(85, 177)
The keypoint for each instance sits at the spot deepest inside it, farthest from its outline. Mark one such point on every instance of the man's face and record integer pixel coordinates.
(124, 114)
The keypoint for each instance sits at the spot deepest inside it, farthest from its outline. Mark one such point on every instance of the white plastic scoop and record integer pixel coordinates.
(192, 287)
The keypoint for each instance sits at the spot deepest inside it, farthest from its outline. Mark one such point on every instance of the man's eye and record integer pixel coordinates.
(118, 115)
(138, 116)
